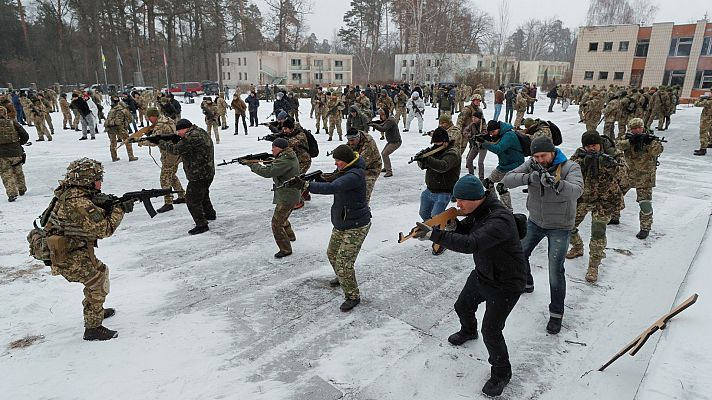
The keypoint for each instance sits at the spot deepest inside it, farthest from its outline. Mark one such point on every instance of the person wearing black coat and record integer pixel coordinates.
(488, 232)
(176, 105)
(350, 216)
(281, 104)
(552, 95)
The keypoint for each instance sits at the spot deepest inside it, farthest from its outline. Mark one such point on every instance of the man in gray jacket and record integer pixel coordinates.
(554, 184)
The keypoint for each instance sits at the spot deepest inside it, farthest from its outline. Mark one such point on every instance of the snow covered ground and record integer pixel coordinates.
(217, 317)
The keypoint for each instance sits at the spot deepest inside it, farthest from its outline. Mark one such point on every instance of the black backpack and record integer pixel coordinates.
(526, 142)
(555, 133)
(313, 145)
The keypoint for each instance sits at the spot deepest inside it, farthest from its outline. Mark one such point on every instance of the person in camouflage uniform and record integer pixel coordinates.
(641, 155)
(520, 106)
(357, 119)
(480, 90)
(163, 126)
(611, 114)
(705, 125)
(47, 107)
(592, 111)
(350, 217)
(141, 108)
(605, 172)
(196, 150)
(76, 221)
(384, 102)
(66, 113)
(37, 115)
(334, 107)
(284, 167)
(364, 104)
(117, 120)
(293, 106)
(537, 128)
(401, 112)
(298, 142)
(26, 105)
(627, 109)
(12, 137)
(667, 106)
(655, 106)
(364, 144)
(349, 100)
(212, 117)
(320, 109)
(221, 106)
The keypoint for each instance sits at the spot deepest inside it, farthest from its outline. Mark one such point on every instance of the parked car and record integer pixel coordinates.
(181, 88)
(211, 88)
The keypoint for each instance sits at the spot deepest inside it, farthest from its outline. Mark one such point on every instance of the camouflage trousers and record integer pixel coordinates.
(12, 176)
(141, 116)
(48, 119)
(223, 120)
(518, 119)
(608, 128)
(623, 125)
(401, 113)
(644, 198)
(66, 119)
(320, 117)
(213, 126)
(592, 124)
(169, 179)
(494, 181)
(282, 228)
(42, 130)
(371, 177)
(705, 132)
(343, 250)
(75, 120)
(83, 267)
(599, 219)
(114, 137)
(294, 114)
(335, 121)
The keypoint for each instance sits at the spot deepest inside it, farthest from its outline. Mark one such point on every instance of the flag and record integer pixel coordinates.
(165, 60)
(118, 57)
(103, 59)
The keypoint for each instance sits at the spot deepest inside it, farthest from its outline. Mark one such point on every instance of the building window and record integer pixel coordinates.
(319, 63)
(680, 47)
(607, 46)
(239, 74)
(675, 77)
(296, 62)
(617, 76)
(339, 76)
(428, 62)
(244, 61)
(318, 76)
(239, 61)
(479, 64)
(641, 49)
(593, 46)
(412, 63)
(297, 77)
(404, 63)
(245, 75)
(427, 77)
(602, 75)
(706, 46)
(437, 63)
(228, 76)
(588, 75)
(703, 79)
(623, 46)
(338, 63)
(402, 77)
(411, 77)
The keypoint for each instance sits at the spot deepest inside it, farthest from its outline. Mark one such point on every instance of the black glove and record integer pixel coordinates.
(155, 139)
(480, 138)
(127, 206)
(424, 232)
(647, 139)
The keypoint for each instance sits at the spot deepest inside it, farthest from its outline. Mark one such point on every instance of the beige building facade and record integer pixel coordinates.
(535, 71)
(284, 68)
(644, 56)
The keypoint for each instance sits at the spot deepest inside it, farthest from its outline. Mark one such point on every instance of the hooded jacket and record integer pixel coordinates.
(508, 148)
(350, 208)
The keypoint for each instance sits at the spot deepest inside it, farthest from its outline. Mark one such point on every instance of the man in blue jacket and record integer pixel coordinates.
(350, 216)
(555, 184)
(505, 144)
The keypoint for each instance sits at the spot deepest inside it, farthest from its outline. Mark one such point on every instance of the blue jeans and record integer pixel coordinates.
(558, 244)
(432, 203)
(497, 110)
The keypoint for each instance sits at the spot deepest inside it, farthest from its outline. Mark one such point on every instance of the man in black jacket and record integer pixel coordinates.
(489, 233)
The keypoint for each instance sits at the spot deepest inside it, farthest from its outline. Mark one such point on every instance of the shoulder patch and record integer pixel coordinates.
(95, 213)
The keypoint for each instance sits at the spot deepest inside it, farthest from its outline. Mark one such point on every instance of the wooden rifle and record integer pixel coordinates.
(134, 137)
(425, 153)
(439, 221)
(264, 158)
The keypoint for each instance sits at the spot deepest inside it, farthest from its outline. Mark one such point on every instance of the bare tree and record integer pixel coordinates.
(612, 12)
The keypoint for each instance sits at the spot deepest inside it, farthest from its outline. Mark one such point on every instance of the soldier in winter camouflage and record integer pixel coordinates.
(116, 124)
(12, 137)
(66, 114)
(75, 224)
(364, 144)
(705, 125)
(605, 172)
(212, 117)
(334, 107)
(641, 155)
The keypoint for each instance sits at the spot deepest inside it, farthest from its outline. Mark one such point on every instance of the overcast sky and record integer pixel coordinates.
(328, 14)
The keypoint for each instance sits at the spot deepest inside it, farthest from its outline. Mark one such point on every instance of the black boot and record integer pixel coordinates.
(700, 152)
(109, 312)
(282, 254)
(198, 230)
(348, 304)
(334, 282)
(554, 325)
(614, 221)
(99, 333)
(180, 200)
(642, 234)
(460, 337)
(165, 208)
(494, 386)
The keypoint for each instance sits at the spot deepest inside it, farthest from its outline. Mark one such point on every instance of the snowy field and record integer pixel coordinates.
(217, 317)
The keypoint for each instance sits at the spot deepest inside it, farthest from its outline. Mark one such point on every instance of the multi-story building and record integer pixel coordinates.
(445, 67)
(643, 56)
(536, 71)
(284, 68)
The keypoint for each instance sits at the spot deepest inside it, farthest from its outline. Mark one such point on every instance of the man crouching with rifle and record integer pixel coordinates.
(488, 232)
(284, 167)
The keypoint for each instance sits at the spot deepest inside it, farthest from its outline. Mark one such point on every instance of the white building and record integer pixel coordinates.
(534, 71)
(284, 68)
(434, 67)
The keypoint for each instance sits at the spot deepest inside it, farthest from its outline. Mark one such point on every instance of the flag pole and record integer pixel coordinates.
(120, 65)
(165, 65)
(103, 64)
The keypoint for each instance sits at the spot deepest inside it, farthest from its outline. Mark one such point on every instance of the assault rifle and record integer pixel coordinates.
(425, 153)
(550, 180)
(439, 221)
(271, 137)
(647, 137)
(155, 139)
(249, 159)
(108, 201)
(295, 181)
(272, 126)
(134, 137)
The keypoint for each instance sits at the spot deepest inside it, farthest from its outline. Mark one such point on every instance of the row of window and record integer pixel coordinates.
(703, 78)
(240, 61)
(317, 76)
(603, 75)
(608, 46)
(226, 75)
(679, 47)
(428, 63)
(412, 77)
(297, 62)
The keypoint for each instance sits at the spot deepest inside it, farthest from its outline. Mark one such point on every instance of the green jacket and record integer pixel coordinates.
(284, 166)
(196, 148)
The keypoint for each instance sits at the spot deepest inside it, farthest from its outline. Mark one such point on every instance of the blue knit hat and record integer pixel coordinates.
(282, 115)
(468, 187)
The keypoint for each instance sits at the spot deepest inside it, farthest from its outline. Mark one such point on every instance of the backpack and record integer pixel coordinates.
(631, 106)
(526, 142)
(8, 134)
(313, 145)
(37, 238)
(645, 103)
(521, 221)
(555, 133)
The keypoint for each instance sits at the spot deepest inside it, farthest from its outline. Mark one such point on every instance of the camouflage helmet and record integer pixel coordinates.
(477, 97)
(528, 122)
(636, 123)
(594, 93)
(152, 112)
(84, 172)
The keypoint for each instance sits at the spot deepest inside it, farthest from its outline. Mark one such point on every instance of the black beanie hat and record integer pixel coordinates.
(478, 114)
(542, 144)
(282, 143)
(440, 135)
(492, 125)
(183, 123)
(344, 153)
(591, 137)
(288, 123)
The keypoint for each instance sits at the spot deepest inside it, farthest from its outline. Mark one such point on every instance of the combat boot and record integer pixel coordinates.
(642, 234)
(11, 198)
(614, 221)
(460, 337)
(109, 312)
(180, 200)
(348, 304)
(700, 152)
(199, 229)
(592, 273)
(554, 325)
(574, 252)
(495, 386)
(282, 254)
(99, 333)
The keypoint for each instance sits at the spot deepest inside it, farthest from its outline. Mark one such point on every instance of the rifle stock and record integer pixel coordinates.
(439, 221)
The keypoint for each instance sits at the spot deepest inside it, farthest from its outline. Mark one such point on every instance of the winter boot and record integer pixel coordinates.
(282, 254)
(99, 333)
(334, 282)
(11, 198)
(180, 200)
(614, 221)
(109, 312)
(554, 325)
(199, 229)
(592, 273)
(348, 304)
(494, 386)
(460, 337)
(165, 208)
(642, 234)
(574, 252)
(700, 152)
